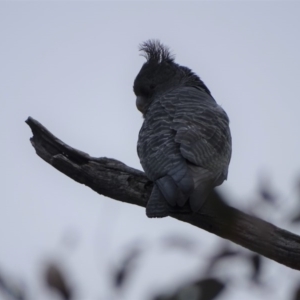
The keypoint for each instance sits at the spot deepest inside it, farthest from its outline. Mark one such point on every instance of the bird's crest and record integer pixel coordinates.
(155, 51)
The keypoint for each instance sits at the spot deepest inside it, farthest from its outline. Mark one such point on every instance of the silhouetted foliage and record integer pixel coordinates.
(204, 289)
(297, 293)
(11, 289)
(256, 262)
(56, 280)
(126, 267)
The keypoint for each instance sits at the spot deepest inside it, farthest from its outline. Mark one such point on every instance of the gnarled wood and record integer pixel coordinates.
(114, 179)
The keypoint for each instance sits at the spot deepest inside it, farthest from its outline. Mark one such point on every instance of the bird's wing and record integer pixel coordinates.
(202, 128)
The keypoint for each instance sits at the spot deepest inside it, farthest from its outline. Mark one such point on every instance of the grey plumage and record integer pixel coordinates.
(184, 144)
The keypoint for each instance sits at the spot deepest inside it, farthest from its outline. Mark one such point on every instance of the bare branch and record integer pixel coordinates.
(114, 179)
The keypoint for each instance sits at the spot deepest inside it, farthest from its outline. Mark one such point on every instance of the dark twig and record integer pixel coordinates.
(114, 179)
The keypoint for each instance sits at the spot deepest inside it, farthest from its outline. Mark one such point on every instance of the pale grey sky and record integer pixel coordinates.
(71, 65)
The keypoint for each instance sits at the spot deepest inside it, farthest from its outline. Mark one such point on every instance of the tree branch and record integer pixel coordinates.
(114, 179)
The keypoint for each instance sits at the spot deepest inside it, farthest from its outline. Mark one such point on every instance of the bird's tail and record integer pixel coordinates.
(199, 196)
(157, 206)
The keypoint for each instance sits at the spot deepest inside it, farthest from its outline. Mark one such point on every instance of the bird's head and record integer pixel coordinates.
(159, 74)
(156, 75)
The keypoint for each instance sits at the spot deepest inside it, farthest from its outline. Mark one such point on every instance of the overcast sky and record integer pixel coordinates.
(71, 66)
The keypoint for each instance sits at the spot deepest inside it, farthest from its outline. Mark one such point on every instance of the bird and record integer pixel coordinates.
(184, 144)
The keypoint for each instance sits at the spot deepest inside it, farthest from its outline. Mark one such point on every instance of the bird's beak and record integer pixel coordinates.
(140, 103)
